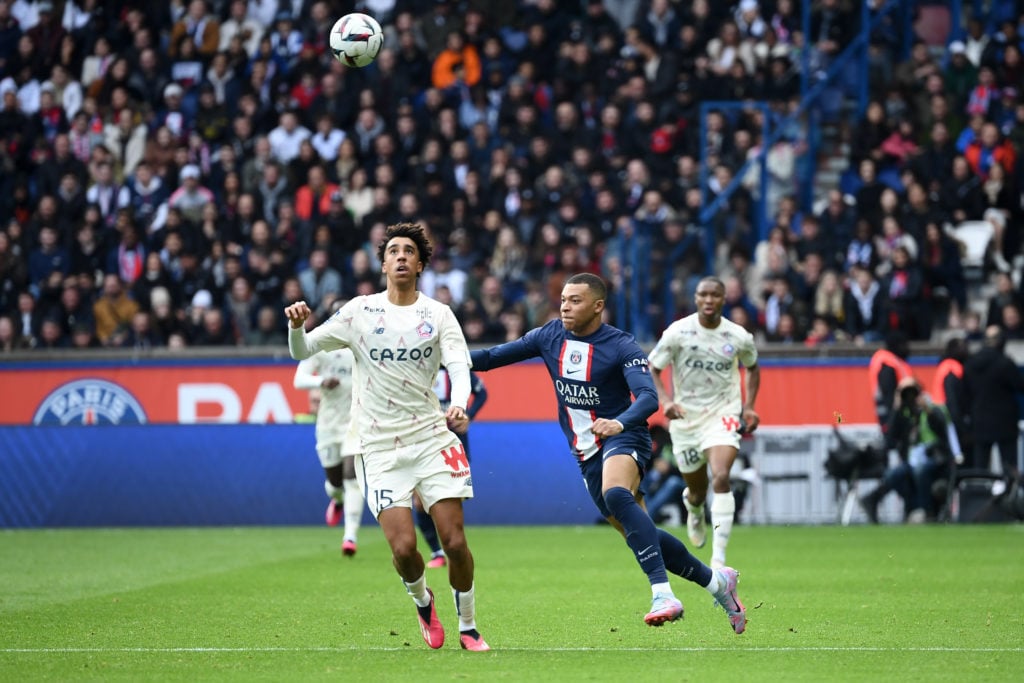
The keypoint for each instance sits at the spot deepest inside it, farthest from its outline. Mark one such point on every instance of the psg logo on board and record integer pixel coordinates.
(575, 357)
(89, 402)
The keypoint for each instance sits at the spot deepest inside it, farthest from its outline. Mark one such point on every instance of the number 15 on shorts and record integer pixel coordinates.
(382, 500)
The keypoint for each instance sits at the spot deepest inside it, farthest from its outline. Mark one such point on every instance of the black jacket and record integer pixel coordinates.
(991, 383)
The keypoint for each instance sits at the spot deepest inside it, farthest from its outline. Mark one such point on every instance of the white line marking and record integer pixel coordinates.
(72, 650)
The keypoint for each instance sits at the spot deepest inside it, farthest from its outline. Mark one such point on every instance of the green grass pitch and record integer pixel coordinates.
(932, 603)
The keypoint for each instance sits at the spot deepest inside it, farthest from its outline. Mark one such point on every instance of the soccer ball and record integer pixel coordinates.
(356, 39)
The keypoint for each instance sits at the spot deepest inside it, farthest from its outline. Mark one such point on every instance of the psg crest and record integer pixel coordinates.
(89, 402)
(575, 357)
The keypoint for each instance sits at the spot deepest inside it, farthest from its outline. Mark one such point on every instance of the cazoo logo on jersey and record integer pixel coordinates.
(89, 402)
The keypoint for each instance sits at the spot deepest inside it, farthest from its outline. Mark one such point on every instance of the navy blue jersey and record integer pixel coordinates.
(593, 378)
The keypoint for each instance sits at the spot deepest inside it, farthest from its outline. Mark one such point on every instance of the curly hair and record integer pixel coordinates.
(413, 231)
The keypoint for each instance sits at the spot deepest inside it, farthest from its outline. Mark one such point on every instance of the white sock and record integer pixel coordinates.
(418, 590)
(691, 509)
(466, 607)
(662, 588)
(716, 583)
(354, 509)
(335, 492)
(723, 508)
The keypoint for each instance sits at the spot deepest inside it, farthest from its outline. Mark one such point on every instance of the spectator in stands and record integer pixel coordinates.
(781, 303)
(113, 311)
(871, 132)
(962, 198)
(1005, 294)
(319, 280)
(960, 74)
(1011, 322)
(903, 286)
(191, 196)
(988, 149)
(128, 257)
(47, 258)
(73, 309)
(935, 162)
(268, 331)
(457, 65)
(240, 24)
(943, 272)
(272, 189)
(199, 27)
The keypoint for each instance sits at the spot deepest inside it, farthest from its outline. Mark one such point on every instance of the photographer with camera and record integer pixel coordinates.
(923, 434)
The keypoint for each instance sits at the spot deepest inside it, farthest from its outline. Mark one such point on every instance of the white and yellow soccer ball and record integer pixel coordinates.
(356, 39)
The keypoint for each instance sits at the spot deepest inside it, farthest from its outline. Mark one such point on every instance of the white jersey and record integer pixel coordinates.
(705, 365)
(397, 350)
(334, 414)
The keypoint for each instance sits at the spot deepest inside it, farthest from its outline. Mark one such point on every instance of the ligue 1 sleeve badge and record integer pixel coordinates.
(89, 402)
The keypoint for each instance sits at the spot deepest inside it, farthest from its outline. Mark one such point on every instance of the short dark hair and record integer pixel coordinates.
(413, 231)
(714, 279)
(595, 284)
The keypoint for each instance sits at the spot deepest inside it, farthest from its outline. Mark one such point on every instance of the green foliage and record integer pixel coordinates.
(556, 604)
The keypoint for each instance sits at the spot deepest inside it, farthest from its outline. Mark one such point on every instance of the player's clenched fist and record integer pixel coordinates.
(297, 314)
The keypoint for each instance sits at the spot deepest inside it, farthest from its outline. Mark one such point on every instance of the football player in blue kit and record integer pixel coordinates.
(595, 368)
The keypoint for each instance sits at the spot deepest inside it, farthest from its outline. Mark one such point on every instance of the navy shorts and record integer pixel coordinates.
(627, 443)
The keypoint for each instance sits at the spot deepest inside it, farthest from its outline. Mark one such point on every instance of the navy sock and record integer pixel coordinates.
(641, 534)
(681, 561)
(429, 531)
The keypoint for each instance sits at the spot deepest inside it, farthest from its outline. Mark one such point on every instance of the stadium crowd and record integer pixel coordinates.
(174, 175)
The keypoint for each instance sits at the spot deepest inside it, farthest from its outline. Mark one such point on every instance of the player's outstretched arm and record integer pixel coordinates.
(504, 354)
(298, 346)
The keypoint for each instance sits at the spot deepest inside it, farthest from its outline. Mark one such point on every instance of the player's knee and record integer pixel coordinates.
(455, 545)
(618, 499)
(403, 549)
(720, 481)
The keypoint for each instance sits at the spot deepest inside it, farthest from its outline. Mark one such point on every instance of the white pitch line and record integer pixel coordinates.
(74, 650)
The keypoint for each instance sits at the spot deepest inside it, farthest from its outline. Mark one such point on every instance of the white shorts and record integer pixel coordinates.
(692, 439)
(332, 454)
(436, 469)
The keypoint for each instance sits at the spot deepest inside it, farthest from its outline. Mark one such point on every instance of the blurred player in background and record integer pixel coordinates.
(399, 339)
(443, 390)
(706, 409)
(594, 368)
(330, 375)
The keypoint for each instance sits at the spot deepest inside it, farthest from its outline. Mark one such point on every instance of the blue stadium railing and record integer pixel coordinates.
(845, 75)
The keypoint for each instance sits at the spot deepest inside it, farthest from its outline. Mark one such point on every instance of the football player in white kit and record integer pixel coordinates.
(331, 373)
(706, 409)
(399, 338)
